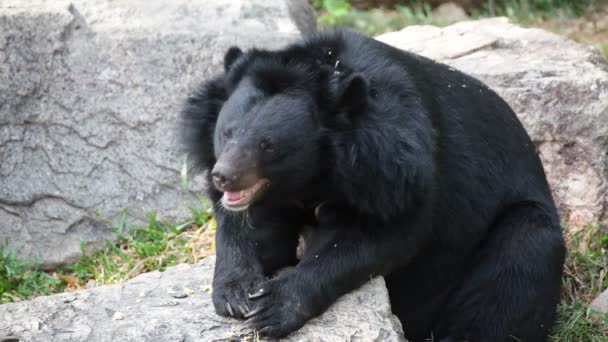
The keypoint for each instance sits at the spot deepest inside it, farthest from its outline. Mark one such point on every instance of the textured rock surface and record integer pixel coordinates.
(146, 308)
(558, 88)
(89, 93)
(601, 303)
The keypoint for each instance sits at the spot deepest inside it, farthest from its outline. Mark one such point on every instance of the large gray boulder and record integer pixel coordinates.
(558, 88)
(89, 96)
(176, 306)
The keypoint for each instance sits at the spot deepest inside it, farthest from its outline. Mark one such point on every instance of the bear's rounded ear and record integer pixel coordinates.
(351, 93)
(231, 56)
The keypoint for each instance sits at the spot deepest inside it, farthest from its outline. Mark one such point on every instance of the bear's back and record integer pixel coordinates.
(484, 159)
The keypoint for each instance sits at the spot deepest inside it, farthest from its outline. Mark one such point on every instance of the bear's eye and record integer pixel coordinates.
(266, 145)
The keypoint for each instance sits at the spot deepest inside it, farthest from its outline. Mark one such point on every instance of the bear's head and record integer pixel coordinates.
(271, 135)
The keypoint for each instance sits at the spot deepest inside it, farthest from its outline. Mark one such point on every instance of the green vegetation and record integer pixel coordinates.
(566, 17)
(339, 13)
(579, 323)
(334, 13)
(156, 246)
(21, 280)
(586, 276)
(526, 11)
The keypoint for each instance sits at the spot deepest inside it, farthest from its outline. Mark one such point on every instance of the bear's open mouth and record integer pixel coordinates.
(240, 200)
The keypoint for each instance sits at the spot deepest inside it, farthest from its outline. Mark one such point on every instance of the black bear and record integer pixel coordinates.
(402, 166)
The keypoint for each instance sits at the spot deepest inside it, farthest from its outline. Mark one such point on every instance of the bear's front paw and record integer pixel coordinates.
(230, 294)
(280, 307)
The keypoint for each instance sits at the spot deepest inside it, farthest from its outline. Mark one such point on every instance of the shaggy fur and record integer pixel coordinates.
(415, 171)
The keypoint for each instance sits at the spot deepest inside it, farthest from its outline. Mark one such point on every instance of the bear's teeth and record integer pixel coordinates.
(242, 194)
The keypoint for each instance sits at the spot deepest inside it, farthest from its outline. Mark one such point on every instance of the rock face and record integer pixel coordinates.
(89, 96)
(176, 306)
(558, 88)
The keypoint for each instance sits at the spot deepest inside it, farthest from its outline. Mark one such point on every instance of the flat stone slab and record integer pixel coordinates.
(176, 305)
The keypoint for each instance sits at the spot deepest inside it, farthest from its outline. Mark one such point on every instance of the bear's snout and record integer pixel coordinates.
(234, 170)
(235, 174)
(224, 176)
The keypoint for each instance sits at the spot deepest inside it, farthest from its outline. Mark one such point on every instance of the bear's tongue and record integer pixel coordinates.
(234, 196)
(243, 197)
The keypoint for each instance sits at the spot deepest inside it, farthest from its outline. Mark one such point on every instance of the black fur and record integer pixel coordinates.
(418, 172)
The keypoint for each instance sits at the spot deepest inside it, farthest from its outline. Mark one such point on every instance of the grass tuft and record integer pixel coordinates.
(585, 277)
(20, 280)
(577, 322)
(156, 246)
(139, 249)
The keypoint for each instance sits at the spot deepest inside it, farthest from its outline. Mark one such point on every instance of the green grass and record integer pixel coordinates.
(586, 276)
(156, 246)
(526, 11)
(339, 13)
(143, 249)
(22, 280)
(161, 244)
(577, 322)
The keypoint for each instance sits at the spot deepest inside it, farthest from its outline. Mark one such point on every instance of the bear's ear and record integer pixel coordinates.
(350, 93)
(231, 56)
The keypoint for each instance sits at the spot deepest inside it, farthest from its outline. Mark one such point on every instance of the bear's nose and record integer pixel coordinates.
(219, 180)
(223, 176)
